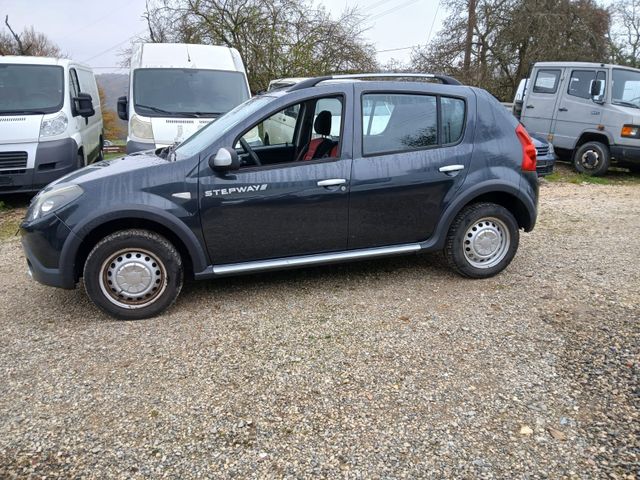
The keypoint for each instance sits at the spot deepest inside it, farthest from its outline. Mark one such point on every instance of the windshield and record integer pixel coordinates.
(626, 88)
(26, 89)
(162, 92)
(211, 132)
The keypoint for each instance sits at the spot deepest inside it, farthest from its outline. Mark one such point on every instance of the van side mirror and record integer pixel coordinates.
(83, 105)
(226, 159)
(123, 108)
(596, 90)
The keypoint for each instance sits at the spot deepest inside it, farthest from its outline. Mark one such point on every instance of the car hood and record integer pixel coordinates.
(110, 168)
(20, 128)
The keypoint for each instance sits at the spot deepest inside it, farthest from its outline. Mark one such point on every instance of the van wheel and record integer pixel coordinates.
(133, 274)
(592, 158)
(79, 161)
(482, 240)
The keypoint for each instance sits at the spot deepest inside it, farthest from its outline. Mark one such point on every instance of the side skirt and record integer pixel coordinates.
(305, 260)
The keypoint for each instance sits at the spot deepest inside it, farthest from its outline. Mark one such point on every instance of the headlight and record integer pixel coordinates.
(49, 201)
(141, 129)
(630, 131)
(54, 126)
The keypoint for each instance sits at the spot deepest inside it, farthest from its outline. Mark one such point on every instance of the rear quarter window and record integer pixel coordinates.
(453, 116)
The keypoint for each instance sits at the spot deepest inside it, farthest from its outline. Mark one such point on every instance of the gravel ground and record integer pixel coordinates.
(387, 369)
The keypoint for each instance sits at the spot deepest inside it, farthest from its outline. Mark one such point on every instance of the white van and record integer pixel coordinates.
(50, 121)
(175, 89)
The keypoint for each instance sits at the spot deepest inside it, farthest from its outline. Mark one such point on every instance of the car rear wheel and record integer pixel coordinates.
(482, 240)
(592, 158)
(133, 274)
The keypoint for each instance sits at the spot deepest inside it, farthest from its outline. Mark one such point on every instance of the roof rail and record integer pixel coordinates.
(312, 82)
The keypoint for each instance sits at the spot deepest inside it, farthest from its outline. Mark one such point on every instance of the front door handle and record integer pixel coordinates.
(563, 109)
(332, 182)
(530, 106)
(451, 168)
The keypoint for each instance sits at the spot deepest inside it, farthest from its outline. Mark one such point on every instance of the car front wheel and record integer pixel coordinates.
(592, 158)
(482, 240)
(133, 274)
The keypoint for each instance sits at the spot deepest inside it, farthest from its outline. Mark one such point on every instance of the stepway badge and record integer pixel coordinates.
(232, 190)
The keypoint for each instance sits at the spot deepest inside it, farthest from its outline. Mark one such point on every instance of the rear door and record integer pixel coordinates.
(577, 112)
(411, 153)
(540, 100)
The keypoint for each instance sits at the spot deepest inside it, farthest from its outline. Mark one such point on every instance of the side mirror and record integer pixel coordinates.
(596, 90)
(123, 108)
(226, 159)
(83, 105)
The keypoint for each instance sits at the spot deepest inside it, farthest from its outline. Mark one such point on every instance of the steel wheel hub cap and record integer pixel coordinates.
(486, 243)
(590, 159)
(133, 278)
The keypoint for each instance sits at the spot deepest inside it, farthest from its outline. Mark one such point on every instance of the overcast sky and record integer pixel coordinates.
(93, 31)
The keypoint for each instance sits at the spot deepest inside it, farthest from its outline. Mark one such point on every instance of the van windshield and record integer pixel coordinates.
(30, 89)
(214, 130)
(626, 88)
(187, 92)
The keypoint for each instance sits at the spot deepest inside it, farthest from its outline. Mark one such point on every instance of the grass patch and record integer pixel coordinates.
(563, 173)
(9, 222)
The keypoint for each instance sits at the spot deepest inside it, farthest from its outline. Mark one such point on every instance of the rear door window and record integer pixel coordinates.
(398, 122)
(546, 81)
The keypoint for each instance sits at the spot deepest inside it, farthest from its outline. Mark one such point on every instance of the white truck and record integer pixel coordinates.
(590, 111)
(50, 121)
(175, 89)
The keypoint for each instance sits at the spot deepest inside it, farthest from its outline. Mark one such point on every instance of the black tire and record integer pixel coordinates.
(130, 256)
(592, 158)
(482, 240)
(267, 141)
(79, 161)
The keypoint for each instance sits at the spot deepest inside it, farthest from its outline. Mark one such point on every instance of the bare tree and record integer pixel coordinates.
(511, 34)
(276, 38)
(29, 42)
(625, 33)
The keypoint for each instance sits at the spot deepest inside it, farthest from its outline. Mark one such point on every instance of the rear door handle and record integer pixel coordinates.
(530, 106)
(563, 109)
(332, 182)
(451, 168)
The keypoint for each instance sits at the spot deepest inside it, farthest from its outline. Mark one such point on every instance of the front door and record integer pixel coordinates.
(409, 161)
(278, 204)
(577, 112)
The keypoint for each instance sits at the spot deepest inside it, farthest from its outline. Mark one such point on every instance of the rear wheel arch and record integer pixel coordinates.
(503, 195)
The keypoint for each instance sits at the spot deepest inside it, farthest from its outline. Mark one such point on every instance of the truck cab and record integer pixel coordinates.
(590, 111)
(175, 89)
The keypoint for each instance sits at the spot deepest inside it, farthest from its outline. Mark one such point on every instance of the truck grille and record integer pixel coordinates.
(13, 161)
(542, 151)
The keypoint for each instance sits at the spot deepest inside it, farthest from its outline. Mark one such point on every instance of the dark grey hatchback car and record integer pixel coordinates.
(320, 172)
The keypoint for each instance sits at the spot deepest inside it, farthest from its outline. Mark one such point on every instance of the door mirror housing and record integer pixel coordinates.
(83, 105)
(225, 160)
(123, 108)
(596, 90)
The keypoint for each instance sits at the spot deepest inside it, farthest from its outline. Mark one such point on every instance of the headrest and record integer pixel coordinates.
(322, 124)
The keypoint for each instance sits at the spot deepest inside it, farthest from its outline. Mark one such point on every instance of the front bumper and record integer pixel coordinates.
(544, 165)
(626, 154)
(42, 242)
(52, 160)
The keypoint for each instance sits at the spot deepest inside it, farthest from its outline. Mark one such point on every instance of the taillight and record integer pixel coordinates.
(528, 149)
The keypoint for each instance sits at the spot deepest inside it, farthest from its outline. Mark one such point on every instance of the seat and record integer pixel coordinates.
(323, 147)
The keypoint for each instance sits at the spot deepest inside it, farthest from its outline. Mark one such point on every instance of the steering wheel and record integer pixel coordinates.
(249, 150)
